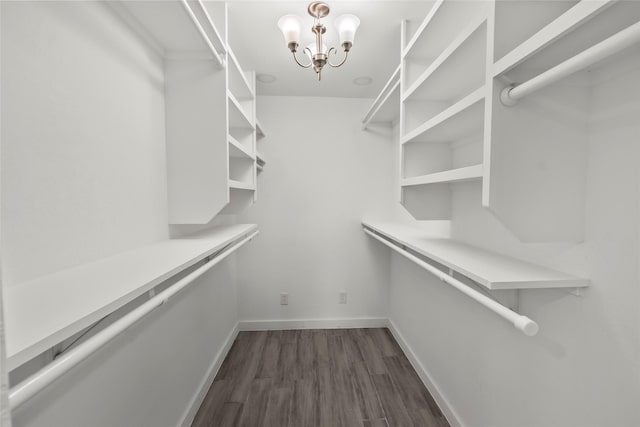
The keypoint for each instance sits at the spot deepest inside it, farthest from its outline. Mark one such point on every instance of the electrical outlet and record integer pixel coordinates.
(284, 298)
(343, 297)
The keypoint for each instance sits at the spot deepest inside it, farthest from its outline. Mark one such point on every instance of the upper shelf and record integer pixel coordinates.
(176, 27)
(238, 116)
(467, 173)
(386, 108)
(35, 321)
(238, 83)
(489, 269)
(463, 115)
(585, 24)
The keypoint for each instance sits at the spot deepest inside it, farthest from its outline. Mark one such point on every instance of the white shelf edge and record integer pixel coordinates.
(421, 28)
(394, 90)
(239, 185)
(221, 43)
(234, 142)
(389, 88)
(238, 106)
(97, 289)
(260, 159)
(462, 37)
(466, 102)
(487, 268)
(467, 173)
(259, 130)
(240, 71)
(557, 28)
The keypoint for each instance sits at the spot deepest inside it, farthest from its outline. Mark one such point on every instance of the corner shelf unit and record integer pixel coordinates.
(489, 269)
(210, 108)
(454, 128)
(443, 91)
(34, 321)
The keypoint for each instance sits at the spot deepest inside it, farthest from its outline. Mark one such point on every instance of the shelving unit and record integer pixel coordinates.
(453, 126)
(211, 131)
(242, 129)
(443, 85)
(35, 322)
(492, 270)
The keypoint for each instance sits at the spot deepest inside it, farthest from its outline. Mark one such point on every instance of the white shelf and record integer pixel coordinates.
(458, 107)
(385, 109)
(259, 130)
(440, 27)
(566, 22)
(41, 313)
(238, 150)
(579, 28)
(168, 27)
(489, 269)
(464, 45)
(238, 83)
(238, 117)
(240, 185)
(468, 173)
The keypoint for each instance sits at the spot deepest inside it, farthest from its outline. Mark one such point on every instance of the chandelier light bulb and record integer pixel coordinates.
(347, 26)
(290, 25)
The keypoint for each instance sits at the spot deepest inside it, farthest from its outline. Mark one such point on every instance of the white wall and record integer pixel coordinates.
(83, 152)
(84, 177)
(583, 368)
(323, 176)
(147, 376)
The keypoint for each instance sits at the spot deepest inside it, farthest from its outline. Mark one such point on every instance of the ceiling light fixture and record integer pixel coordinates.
(346, 25)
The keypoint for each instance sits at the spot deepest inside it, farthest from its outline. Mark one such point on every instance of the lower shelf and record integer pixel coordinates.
(489, 269)
(454, 175)
(43, 312)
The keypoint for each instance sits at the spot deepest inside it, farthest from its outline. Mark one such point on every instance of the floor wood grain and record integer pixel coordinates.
(318, 378)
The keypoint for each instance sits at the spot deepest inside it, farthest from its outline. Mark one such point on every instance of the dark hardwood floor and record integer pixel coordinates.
(318, 378)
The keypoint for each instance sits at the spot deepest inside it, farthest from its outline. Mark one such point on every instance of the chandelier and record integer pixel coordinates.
(317, 52)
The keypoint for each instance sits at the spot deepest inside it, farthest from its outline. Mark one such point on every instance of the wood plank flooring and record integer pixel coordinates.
(318, 378)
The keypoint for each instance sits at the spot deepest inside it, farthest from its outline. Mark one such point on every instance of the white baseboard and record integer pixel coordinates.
(424, 375)
(198, 398)
(263, 325)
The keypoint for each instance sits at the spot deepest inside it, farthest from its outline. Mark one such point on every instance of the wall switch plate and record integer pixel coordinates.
(343, 297)
(284, 298)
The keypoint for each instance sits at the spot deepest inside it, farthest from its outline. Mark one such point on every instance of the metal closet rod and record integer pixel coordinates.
(520, 322)
(614, 44)
(203, 33)
(37, 382)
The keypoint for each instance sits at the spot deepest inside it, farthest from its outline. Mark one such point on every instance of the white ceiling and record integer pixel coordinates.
(259, 45)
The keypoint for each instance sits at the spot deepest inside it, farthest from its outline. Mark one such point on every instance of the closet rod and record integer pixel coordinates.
(614, 44)
(31, 386)
(520, 322)
(203, 33)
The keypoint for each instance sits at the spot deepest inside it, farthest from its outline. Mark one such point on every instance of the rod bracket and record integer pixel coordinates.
(578, 292)
(505, 97)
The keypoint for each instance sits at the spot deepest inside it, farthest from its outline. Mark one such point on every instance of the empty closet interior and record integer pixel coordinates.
(170, 177)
